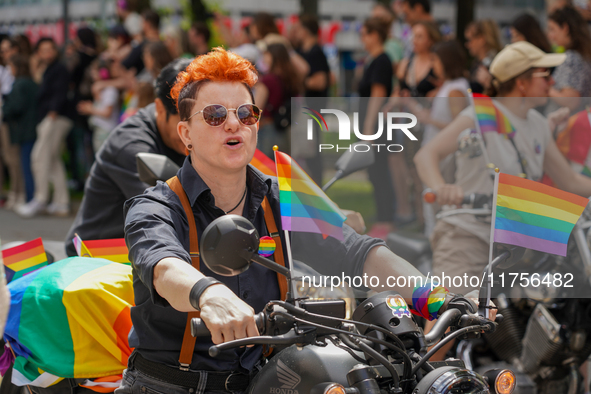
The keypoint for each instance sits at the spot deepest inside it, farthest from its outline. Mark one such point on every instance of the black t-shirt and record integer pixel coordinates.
(114, 178)
(135, 58)
(52, 94)
(317, 61)
(378, 71)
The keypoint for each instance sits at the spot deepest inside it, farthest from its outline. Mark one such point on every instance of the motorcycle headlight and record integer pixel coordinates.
(451, 380)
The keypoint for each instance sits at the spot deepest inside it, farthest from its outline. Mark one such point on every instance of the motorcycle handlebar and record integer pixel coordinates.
(199, 329)
(476, 200)
(441, 325)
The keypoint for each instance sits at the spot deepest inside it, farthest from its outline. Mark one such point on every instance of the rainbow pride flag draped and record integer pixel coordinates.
(533, 215)
(304, 206)
(262, 163)
(23, 259)
(110, 249)
(71, 320)
(490, 118)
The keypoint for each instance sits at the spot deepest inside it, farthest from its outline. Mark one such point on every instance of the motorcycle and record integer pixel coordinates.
(380, 350)
(543, 336)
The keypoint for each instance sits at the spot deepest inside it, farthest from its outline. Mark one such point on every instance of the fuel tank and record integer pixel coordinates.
(296, 370)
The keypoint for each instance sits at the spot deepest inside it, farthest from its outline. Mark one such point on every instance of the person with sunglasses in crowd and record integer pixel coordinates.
(113, 177)
(219, 128)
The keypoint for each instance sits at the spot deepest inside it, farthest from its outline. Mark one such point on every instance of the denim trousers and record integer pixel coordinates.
(136, 382)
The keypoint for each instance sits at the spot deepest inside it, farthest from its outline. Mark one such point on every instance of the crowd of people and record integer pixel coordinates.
(77, 95)
(141, 93)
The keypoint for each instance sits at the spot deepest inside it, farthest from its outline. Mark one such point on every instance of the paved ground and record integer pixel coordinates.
(52, 230)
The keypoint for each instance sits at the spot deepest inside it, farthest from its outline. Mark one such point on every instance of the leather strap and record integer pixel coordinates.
(188, 346)
(278, 255)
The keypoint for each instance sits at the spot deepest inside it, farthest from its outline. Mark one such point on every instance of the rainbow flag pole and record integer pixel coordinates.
(492, 238)
(287, 241)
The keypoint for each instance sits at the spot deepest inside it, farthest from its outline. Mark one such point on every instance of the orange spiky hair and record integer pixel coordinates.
(218, 65)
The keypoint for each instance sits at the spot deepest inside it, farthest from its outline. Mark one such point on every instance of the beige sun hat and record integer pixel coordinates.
(519, 57)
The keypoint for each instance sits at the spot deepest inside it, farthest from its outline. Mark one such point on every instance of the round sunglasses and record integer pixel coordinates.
(217, 114)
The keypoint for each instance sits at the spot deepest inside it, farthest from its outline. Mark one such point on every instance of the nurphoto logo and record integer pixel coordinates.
(393, 122)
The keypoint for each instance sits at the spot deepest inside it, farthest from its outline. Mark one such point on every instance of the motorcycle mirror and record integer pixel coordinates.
(152, 167)
(230, 243)
(227, 245)
(351, 161)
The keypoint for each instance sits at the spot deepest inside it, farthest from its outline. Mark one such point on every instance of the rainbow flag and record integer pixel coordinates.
(109, 249)
(70, 319)
(81, 248)
(262, 163)
(23, 259)
(575, 144)
(490, 118)
(304, 206)
(575, 140)
(533, 215)
(267, 246)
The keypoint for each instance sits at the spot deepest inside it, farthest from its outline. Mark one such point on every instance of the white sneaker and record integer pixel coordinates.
(20, 200)
(55, 209)
(10, 201)
(30, 209)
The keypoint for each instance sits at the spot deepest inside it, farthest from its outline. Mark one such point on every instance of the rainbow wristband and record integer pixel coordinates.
(426, 302)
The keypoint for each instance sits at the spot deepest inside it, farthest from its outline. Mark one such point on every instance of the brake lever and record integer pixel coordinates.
(290, 338)
(468, 320)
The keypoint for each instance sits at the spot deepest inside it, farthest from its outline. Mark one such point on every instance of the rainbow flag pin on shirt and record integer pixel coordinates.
(533, 215)
(266, 246)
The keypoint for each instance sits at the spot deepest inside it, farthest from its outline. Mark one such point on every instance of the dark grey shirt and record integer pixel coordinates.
(114, 178)
(156, 227)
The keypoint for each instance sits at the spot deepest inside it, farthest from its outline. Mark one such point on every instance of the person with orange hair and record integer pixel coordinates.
(219, 126)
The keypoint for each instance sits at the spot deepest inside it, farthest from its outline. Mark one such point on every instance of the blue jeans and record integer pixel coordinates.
(136, 382)
(26, 150)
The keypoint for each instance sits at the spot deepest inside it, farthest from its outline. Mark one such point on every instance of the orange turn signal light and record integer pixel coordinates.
(505, 382)
(335, 388)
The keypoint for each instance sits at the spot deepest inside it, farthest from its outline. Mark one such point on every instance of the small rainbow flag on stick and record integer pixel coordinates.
(81, 248)
(534, 216)
(490, 118)
(23, 259)
(575, 140)
(109, 249)
(304, 206)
